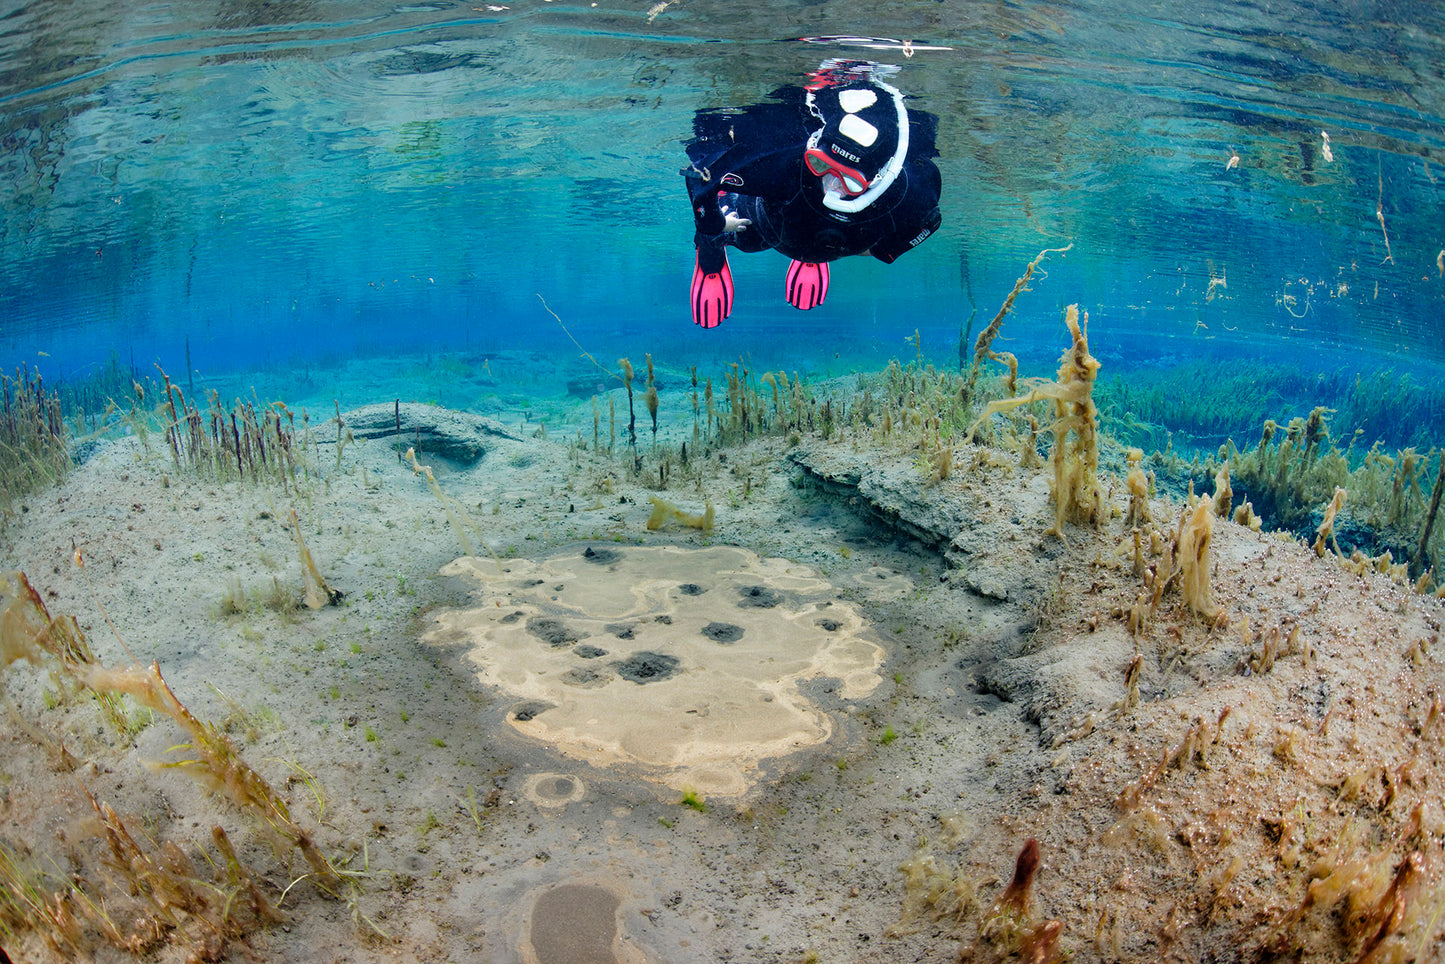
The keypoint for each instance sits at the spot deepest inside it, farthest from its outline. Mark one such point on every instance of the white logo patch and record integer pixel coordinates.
(857, 99)
(858, 130)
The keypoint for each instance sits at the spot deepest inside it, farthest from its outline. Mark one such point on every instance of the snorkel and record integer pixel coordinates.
(836, 200)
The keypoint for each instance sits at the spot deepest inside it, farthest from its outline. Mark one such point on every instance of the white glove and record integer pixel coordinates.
(732, 224)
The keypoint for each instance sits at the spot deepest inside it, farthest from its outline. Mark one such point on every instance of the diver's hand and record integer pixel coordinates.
(732, 224)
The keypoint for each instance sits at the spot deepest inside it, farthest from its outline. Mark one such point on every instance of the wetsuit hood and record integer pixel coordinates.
(864, 127)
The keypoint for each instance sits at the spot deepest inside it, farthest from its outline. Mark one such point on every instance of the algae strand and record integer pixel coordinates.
(663, 511)
(318, 593)
(1075, 457)
(986, 337)
(27, 630)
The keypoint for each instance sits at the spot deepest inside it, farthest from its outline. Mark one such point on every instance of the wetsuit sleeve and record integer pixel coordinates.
(705, 211)
(916, 218)
(740, 176)
(757, 151)
(708, 217)
(773, 173)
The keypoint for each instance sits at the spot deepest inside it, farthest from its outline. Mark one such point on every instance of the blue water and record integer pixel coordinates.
(266, 185)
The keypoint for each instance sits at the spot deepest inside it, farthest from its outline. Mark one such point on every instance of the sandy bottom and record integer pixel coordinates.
(847, 775)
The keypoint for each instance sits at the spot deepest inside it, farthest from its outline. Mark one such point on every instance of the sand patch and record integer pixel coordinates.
(576, 924)
(683, 663)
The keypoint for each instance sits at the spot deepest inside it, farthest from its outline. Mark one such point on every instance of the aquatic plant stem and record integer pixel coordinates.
(986, 337)
(1420, 557)
(965, 330)
(585, 353)
(1380, 216)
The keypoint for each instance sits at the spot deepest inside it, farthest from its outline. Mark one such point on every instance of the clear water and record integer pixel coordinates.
(257, 185)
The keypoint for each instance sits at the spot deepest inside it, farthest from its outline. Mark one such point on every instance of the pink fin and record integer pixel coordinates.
(807, 284)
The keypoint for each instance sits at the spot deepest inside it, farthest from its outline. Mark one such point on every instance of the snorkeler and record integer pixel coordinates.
(840, 167)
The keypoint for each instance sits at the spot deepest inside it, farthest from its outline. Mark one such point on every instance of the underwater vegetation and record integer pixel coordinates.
(1075, 452)
(84, 399)
(1198, 404)
(1085, 419)
(34, 442)
(461, 521)
(243, 441)
(108, 886)
(1382, 506)
(664, 511)
(318, 593)
(1286, 480)
(247, 442)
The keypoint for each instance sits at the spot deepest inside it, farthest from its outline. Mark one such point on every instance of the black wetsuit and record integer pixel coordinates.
(751, 161)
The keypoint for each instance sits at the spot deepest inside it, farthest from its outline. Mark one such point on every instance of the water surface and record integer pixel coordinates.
(268, 184)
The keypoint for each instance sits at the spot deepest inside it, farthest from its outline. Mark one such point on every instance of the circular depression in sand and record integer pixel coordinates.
(553, 790)
(682, 663)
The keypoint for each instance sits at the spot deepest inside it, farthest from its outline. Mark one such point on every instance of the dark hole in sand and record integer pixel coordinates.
(587, 651)
(829, 625)
(691, 589)
(758, 597)
(663, 618)
(620, 630)
(529, 711)
(512, 617)
(647, 667)
(603, 557)
(551, 631)
(575, 924)
(723, 632)
(529, 583)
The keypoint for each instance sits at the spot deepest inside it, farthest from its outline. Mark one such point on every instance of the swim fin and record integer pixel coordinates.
(712, 293)
(807, 284)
